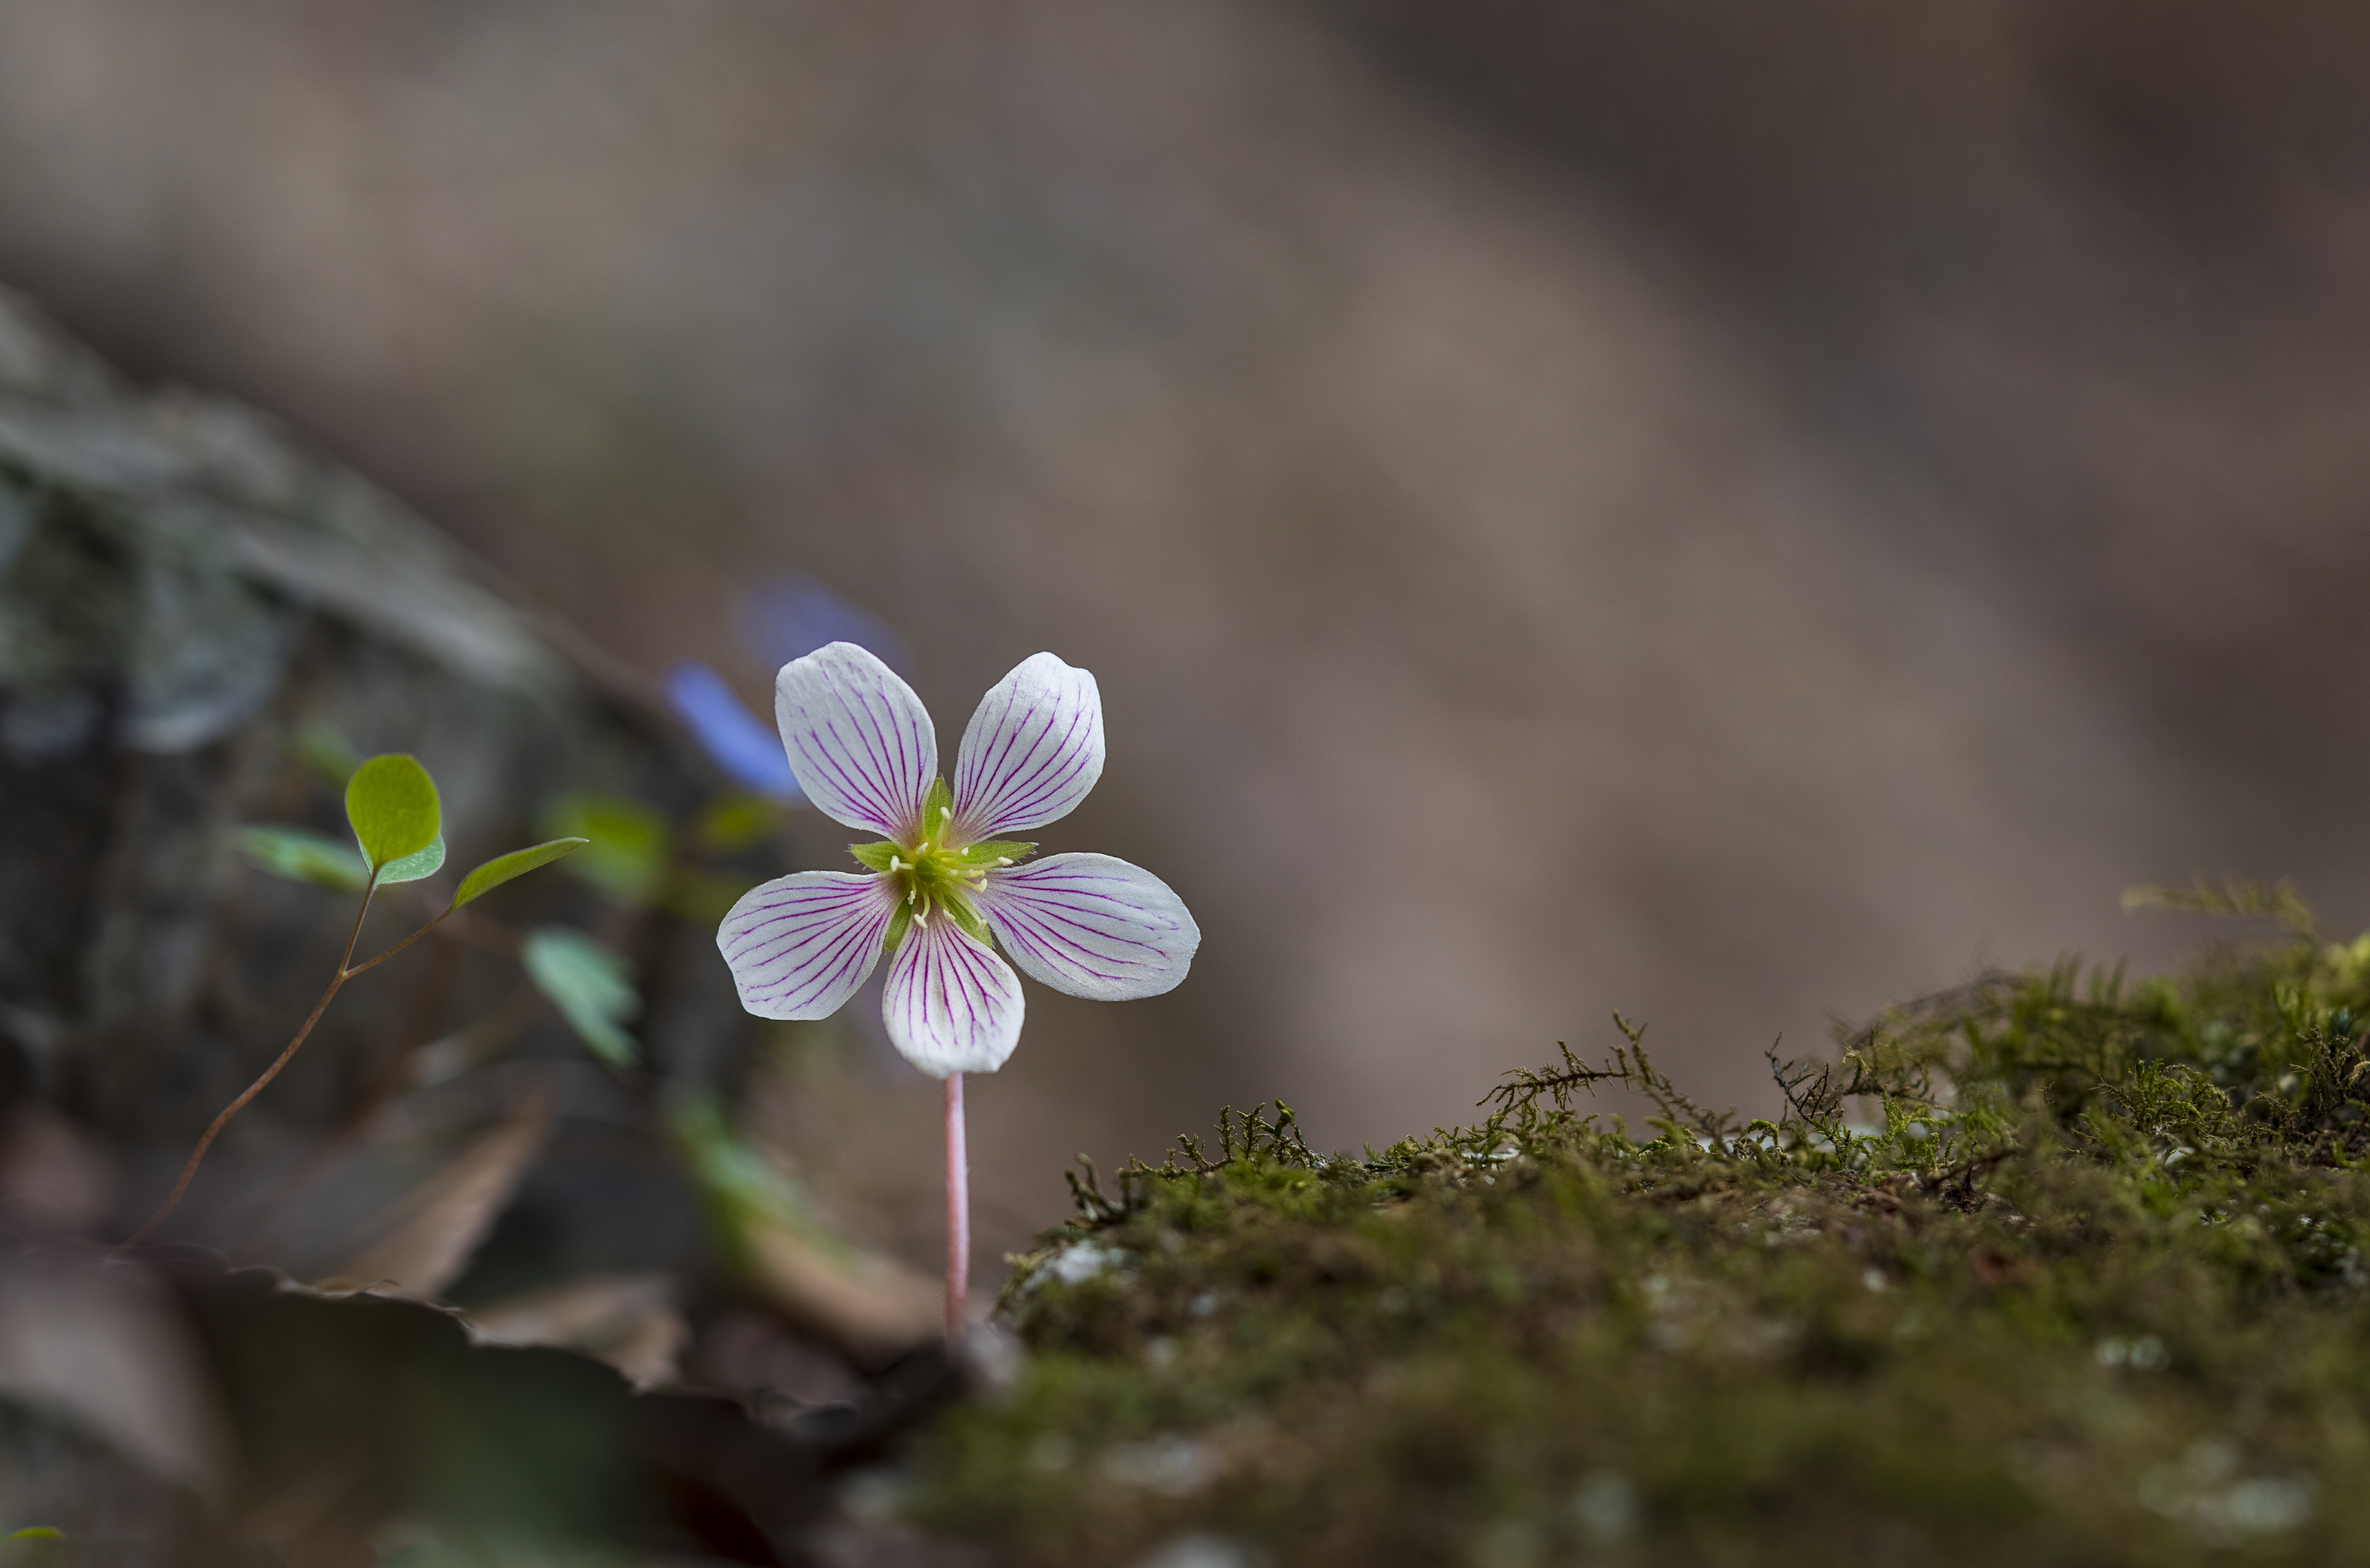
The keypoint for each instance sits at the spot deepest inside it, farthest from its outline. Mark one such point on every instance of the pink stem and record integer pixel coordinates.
(958, 1215)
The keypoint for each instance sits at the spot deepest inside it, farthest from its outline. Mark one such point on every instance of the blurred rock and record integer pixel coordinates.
(184, 597)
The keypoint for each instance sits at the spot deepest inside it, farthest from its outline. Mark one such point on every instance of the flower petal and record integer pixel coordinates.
(1032, 751)
(1092, 925)
(801, 945)
(859, 740)
(951, 1005)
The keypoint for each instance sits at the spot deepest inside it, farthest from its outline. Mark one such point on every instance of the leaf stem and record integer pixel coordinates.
(189, 1172)
(347, 972)
(958, 1215)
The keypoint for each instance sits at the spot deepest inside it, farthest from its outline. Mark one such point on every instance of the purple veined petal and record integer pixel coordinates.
(1091, 925)
(859, 740)
(1032, 752)
(950, 1004)
(749, 753)
(798, 946)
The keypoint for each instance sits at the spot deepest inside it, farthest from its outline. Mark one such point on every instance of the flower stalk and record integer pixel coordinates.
(958, 1215)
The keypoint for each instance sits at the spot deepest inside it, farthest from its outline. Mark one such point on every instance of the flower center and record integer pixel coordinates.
(934, 875)
(929, 875)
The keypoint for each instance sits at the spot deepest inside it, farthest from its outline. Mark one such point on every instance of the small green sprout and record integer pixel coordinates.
(397, 822)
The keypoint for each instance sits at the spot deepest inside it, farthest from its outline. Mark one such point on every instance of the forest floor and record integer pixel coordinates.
(2051, 1269)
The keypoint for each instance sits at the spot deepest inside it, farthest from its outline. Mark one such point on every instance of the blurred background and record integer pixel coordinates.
(1733, 514)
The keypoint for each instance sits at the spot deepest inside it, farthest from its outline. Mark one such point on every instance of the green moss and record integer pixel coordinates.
(2091, 1291)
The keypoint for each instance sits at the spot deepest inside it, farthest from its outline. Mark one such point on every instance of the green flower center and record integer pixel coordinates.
(933, 873)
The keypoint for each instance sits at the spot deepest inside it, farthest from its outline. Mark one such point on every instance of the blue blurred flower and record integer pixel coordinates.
(791, 617)
(778, 622)
(744, 745)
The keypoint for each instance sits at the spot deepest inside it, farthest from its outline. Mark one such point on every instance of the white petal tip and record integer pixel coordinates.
(951, 1005)
(1092, 925)
(1032, 751)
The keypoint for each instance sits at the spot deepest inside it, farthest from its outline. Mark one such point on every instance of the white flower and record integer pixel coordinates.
(943, 881)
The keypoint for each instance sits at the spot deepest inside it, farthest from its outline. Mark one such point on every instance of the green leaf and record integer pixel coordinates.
(733, 822)
(36, 1532)
(630, 841)
(328, 753)
(875, 857)
(411, 868)
(392, 804)
(592, 987)
(740, 1188)
(303, 857)
(517, 863)
(701, 897)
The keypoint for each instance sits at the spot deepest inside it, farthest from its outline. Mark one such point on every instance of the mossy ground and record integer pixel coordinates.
(2092, 1291)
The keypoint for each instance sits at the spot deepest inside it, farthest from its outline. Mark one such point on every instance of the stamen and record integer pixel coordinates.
(1003, 860)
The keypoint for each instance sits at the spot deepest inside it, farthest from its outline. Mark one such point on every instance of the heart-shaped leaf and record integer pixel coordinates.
(517, 863)
(591, 986)
(391, 802)
(303, 857)
(411, 868)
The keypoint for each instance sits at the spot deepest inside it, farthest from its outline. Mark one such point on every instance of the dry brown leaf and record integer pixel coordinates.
(102, 1346)
(628, 1320)
(429, 1232)
(872, 1307)
(54, 1181)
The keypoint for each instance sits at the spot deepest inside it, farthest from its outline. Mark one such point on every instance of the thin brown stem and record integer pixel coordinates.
(429, 1008)
(189, 1172)
(958, 1215)
(347, 972)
